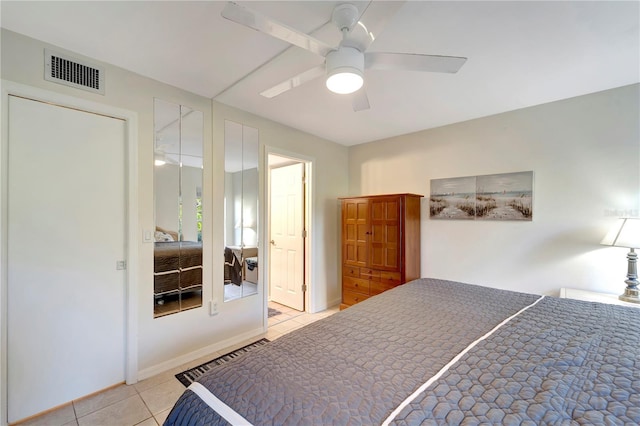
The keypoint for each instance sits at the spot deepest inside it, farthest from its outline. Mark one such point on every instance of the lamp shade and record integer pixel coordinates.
(625, 233)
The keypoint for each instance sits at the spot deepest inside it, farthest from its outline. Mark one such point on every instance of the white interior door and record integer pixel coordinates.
(286, 266)
(66, 233)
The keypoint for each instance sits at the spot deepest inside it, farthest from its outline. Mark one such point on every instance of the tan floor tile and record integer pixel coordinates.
(272, 335)
(283, 316)
(285, 327)
(149, 422)
(96, 402)
(163, 396)
(162, 416)
(131, 411)
(274, 320)
(158, 379)
(61, 416)
(305, 319)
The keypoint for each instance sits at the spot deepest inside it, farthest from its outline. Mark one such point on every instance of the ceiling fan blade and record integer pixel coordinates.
(360, 100)
(371, 23)
(412, 62)
(295, 81)
(257, 21)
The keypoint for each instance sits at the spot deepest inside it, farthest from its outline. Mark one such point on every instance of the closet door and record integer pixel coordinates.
(66, 245)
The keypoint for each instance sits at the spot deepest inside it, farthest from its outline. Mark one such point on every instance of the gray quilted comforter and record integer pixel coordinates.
(557, 361)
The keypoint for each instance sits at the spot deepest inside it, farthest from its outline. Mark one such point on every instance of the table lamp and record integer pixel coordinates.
(626, 233)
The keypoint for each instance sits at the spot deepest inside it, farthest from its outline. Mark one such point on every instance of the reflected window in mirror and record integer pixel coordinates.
(178, 164)
(241, 257)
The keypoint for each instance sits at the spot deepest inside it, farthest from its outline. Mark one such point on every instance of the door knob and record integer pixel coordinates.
(273, 243)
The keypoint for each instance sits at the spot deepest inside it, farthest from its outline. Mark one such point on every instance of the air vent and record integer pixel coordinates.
(71, 72)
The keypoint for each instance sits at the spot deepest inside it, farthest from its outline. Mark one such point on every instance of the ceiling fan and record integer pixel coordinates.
(345, 64)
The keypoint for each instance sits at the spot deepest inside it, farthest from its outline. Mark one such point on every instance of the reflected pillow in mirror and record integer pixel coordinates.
(163, 237)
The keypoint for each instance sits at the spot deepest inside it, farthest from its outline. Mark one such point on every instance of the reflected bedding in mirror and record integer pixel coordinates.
(232, 268)
(178, 168)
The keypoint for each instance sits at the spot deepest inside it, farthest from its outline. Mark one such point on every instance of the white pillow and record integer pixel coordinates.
(163, 237)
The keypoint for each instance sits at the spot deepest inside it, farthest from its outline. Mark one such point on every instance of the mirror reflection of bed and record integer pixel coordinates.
(177, 273)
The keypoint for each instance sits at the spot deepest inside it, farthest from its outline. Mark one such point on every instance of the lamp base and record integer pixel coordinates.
(630, 295)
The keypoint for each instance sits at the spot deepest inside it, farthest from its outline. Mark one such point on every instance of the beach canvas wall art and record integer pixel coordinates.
(506, 196)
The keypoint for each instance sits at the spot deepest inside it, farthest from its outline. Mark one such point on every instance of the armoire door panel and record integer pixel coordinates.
(377, 254)
(351, 232)
(350, 254)
(392, 235)
(362, 211)
(392, 211)
(361, 255)
(391, 260)
(384, 257)
(377, 234)
(362, 233)
(350, 211)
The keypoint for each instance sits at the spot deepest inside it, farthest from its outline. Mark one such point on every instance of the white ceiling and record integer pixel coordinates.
(519, 54)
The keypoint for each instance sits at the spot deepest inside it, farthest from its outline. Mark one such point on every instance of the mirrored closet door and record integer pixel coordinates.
(241, 255)
(178, 163)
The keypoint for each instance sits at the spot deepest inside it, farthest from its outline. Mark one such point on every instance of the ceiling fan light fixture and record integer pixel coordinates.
(345, 82)
(345, 70)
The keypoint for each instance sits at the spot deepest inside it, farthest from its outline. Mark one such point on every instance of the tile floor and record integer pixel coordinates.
(148, 402)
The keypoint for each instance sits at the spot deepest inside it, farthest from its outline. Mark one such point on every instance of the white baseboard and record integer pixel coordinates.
(183, 359)
(330, 304)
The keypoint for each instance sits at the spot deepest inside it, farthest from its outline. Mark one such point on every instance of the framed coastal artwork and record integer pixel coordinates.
(506, 196)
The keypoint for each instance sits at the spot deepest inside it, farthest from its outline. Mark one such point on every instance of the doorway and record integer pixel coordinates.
(66, 243)
(288, 230)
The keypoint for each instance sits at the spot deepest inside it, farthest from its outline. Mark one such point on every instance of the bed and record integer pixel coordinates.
(435, 352)
(177, 265)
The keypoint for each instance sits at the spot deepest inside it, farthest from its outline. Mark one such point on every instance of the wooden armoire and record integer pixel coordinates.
(380, 244)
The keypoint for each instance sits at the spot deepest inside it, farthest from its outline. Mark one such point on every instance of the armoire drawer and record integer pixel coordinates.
(351, 298)
(390, 277)
(355, 285)
(350, 271)
(371, 274)
(377, 287)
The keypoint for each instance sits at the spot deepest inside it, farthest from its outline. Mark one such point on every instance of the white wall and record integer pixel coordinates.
(230, 210)
(241, 192)
(166, 182)
(171, 340)
(585, 154)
